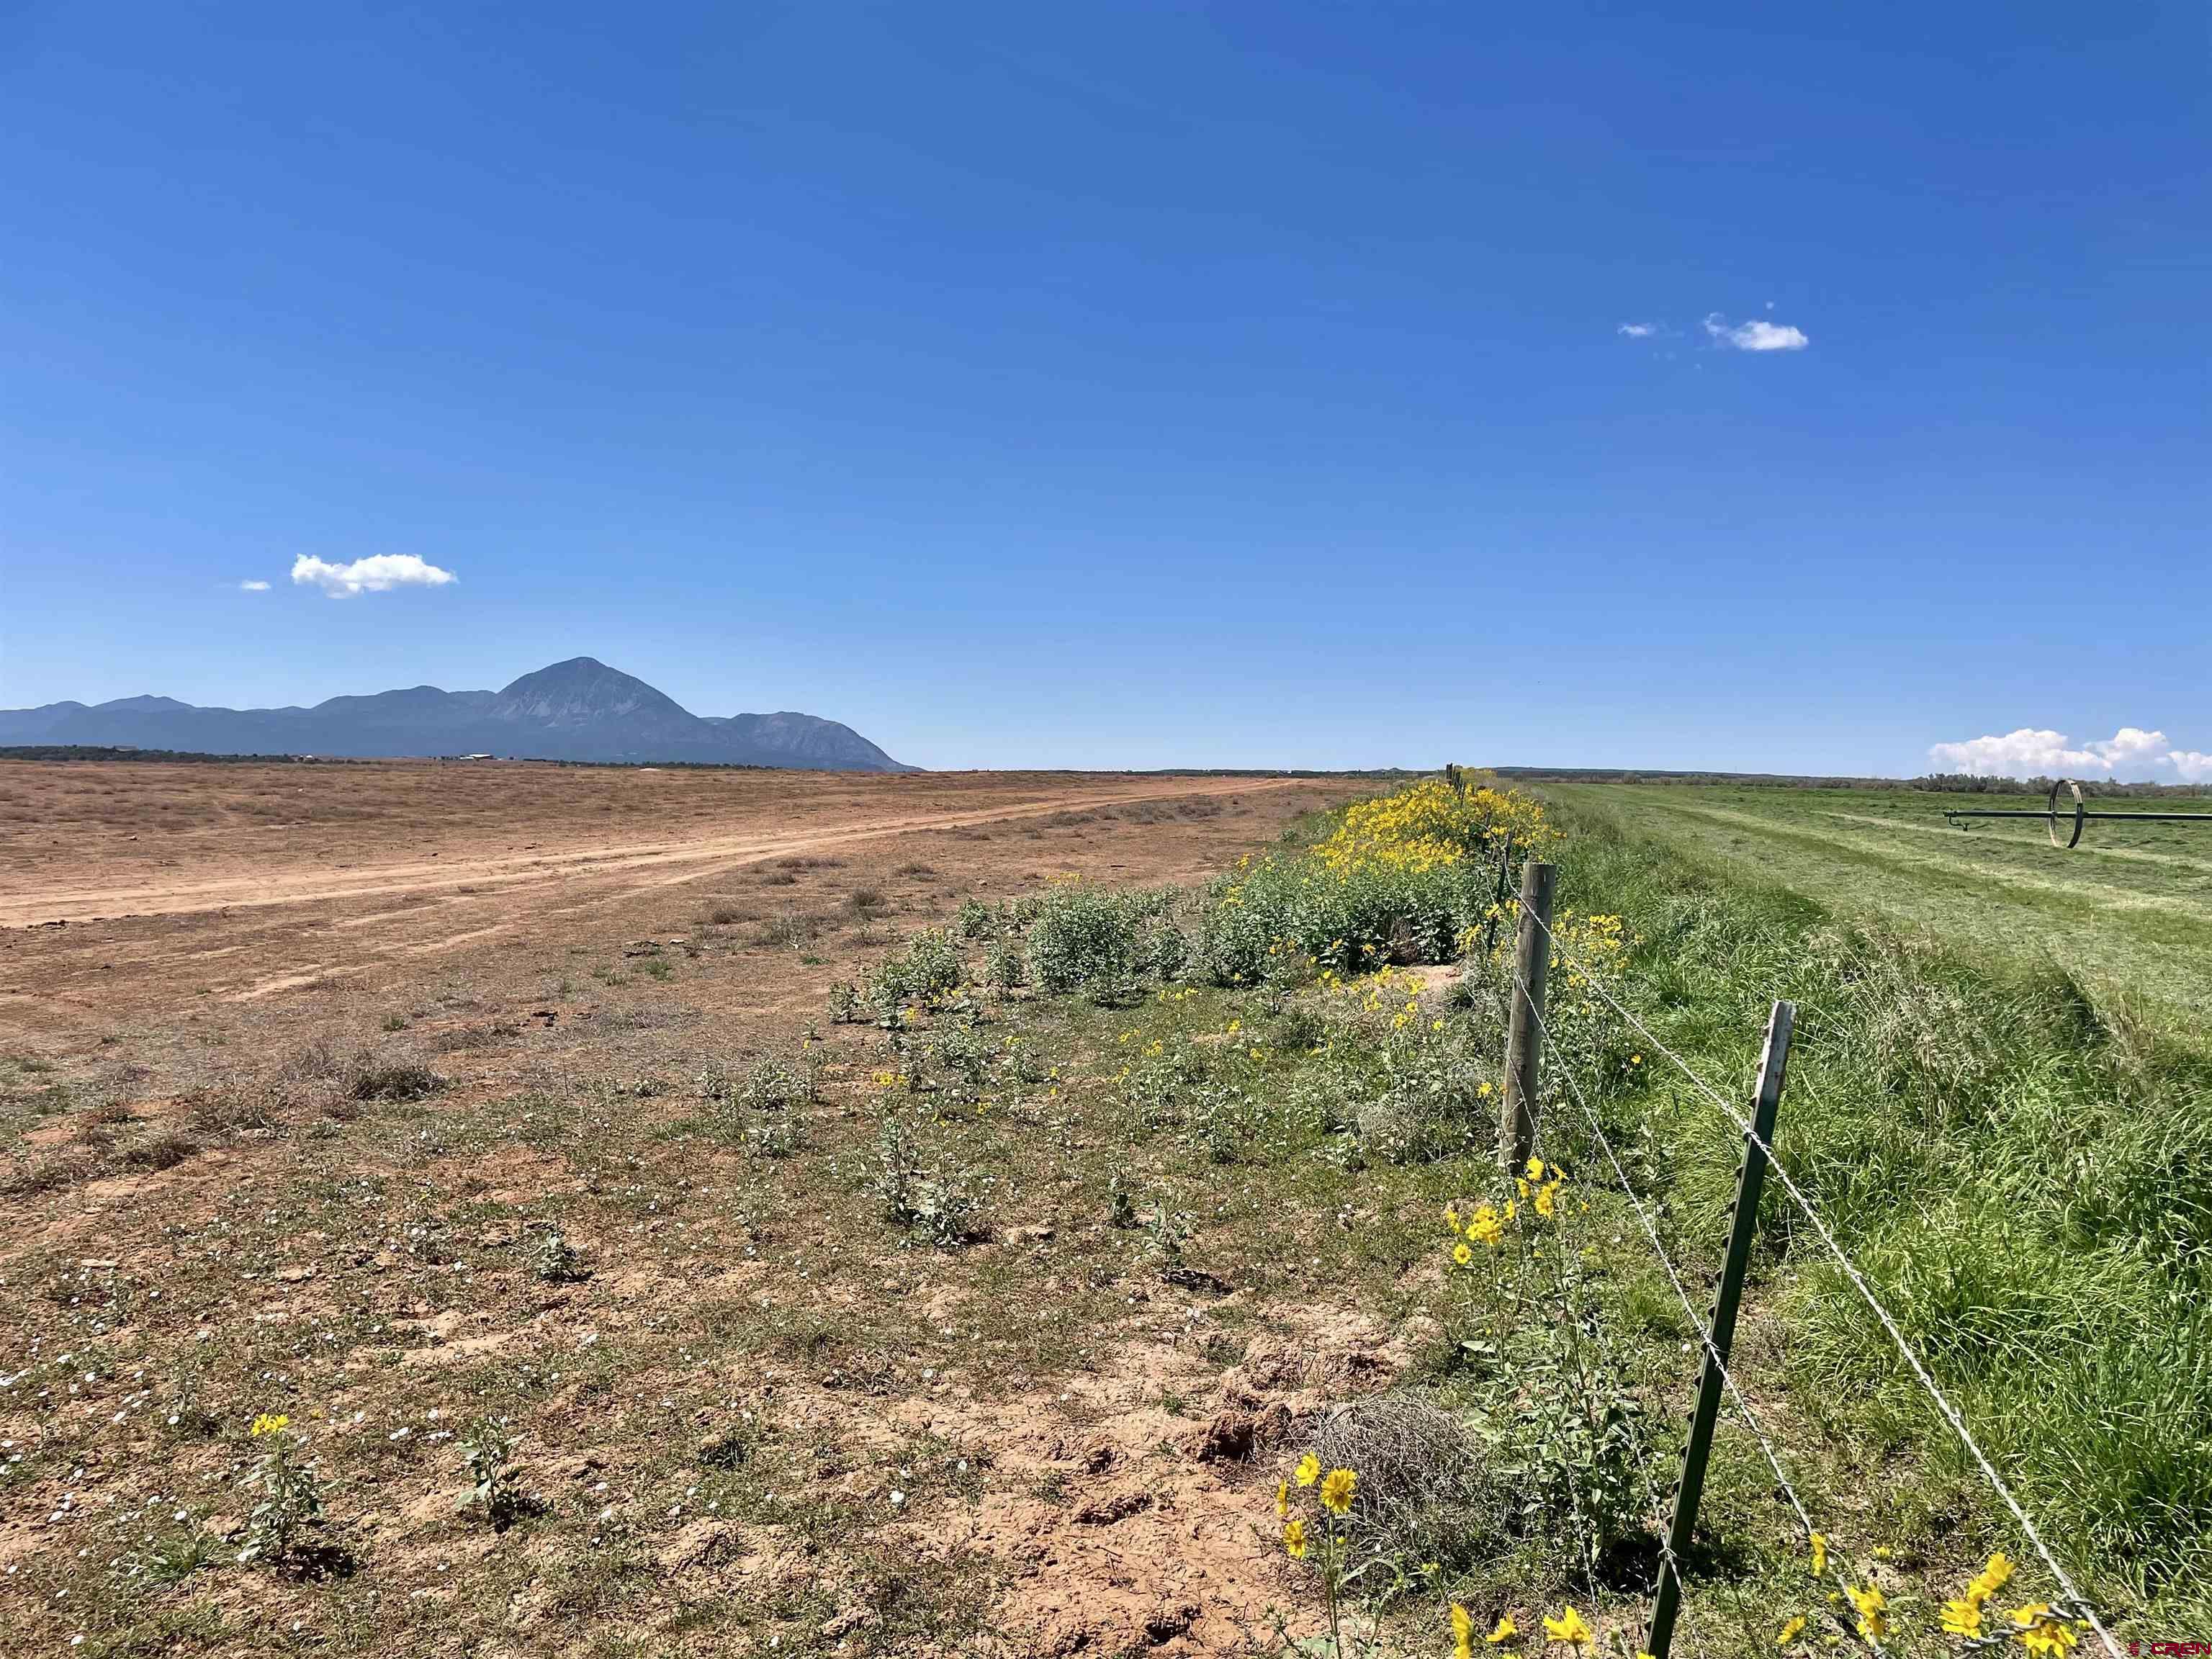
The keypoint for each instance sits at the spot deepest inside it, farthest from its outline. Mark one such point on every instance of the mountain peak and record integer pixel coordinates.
(578, 710)
(142, 704)
(583, 690)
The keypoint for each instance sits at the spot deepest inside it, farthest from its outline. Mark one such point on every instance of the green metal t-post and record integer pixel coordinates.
(1667, 1599)
(1496, 900)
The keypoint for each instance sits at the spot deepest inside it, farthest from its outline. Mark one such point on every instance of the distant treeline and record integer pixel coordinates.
(85, 751)
(1645, 774)
(1947, 783)
(1966, 784)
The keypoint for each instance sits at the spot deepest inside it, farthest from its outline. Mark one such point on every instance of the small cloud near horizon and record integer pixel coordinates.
(2130, 754)
(1757, 335)
(1638, 330)
(250, 586)
(378, 574)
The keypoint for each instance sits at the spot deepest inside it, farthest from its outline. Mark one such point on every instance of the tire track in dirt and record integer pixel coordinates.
(678, 863)
(428, 876)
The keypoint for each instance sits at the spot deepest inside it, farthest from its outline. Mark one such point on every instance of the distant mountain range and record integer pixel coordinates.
(578, 710)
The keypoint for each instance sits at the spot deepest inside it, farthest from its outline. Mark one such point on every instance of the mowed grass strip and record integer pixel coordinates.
(2131, 908)
(2016, 1149)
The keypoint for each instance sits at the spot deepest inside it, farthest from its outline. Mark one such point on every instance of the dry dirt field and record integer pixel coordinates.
(301, 1068)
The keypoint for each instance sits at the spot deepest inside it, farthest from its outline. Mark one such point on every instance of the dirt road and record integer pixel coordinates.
(132, 890)
(100, 900)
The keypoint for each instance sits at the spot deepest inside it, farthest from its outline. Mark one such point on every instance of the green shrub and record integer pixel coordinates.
(936, 1199)
(1006, 968)
(488, 1453)
(557, 1262)
(775, 1085)
(925, 975)
(1083, 936)
(291, 1496)
(1163, 949)
(966, 1053)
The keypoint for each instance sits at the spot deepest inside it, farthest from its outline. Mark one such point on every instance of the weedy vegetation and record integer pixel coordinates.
(1173, 1218)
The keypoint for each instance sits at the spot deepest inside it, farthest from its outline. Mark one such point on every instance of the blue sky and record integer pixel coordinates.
(1129, 385)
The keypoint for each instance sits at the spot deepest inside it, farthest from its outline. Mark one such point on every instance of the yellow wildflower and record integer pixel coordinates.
(1535, 1170)
(1569, 1627)
(1308, 1471)
(267, 1423)
(1793, 1628)
(2043, 1636)
(1336, 1490)
(1873, 1606)
(1992, 1579)
(1461, 1254)
(1282, 1498)
(1504, 1630)
(1962, 1617)
(1294, 1537)
(1462, 1624)
(1820, 1554)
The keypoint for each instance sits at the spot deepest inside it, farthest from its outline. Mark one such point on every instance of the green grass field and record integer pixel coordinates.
(2130, 908)
(2001, 1098)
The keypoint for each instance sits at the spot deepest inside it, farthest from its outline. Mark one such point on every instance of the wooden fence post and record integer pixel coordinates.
(1524, 1031)
(1667, 1598)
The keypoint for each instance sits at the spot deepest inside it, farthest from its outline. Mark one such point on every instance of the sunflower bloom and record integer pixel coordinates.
(1962, 1617)
(268, 1422)
(1294, 1538)
(1462, 1624)
(1569, 1627)
(2043, 1636)
(1336, 1491)
(1308, 1471)
(1992, 1579)
(1790, 1631)
(1820, 1554)
(1504, 1630)
(1874, 1611)
(1282, 1498)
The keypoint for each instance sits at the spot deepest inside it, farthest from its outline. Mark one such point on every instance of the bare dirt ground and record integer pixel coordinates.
(173, 884)
(757, 1421)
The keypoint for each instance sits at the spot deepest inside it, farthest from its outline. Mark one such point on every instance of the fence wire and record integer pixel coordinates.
(1814, 1539)
(1948, 1411)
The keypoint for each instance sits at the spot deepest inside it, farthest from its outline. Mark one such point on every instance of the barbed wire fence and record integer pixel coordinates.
(1531, 1044)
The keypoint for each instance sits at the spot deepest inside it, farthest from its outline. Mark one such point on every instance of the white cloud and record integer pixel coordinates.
(1639, 331)
(378, 574)
(2130, 754)
(2192, 765)
(253, 587)
(1757, 335)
